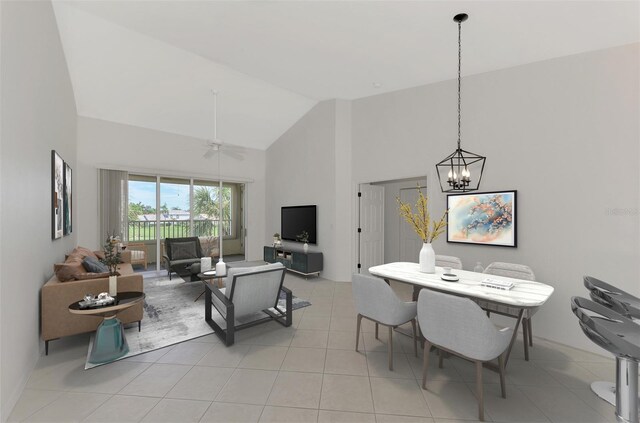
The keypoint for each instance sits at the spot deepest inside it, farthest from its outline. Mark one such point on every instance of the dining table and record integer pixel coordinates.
(523, 295)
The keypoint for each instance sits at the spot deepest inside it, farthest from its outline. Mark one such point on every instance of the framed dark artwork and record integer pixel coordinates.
(484, 218)
(67, 197)
(57, 195)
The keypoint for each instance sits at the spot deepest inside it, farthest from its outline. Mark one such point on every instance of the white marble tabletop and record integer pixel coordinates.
(524, 294)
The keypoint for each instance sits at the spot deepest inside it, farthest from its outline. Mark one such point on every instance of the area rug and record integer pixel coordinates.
(171, 316)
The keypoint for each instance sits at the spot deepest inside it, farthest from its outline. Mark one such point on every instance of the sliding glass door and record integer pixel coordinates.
(175, 208)
(168, 207)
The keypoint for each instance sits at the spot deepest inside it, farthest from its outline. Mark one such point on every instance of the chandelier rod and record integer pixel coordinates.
(459, 77)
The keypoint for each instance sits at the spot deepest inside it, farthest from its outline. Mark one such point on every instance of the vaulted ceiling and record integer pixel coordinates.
(153, 64)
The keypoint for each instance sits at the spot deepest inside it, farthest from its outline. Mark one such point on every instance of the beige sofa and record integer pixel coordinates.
(57, 321)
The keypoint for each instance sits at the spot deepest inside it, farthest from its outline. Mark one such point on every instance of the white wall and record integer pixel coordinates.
(38, 115)
(563, 132)
(309, 164)
(103, 144)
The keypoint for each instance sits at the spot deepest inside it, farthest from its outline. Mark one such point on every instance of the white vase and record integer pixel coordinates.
(305, 247)
(427, 258)
(113, 286)
(221, 267)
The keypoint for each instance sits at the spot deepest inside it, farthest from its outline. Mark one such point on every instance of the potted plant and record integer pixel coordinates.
(304, 237)
(426, 229)
(112, 260)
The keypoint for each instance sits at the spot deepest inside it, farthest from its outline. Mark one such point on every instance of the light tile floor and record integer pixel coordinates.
(309, 373)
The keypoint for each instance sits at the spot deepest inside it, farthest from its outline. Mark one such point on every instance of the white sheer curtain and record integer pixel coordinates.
(113, 203)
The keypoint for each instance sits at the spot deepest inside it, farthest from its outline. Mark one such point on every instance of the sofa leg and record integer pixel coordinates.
(139, 325)
(46, 347)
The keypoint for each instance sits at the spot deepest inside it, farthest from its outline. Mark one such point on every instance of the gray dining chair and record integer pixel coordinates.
(517, 271)
(376, 301)
(449, 261)
(458, 326)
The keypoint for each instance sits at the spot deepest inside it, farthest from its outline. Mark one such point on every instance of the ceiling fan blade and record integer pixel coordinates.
(233, 154)
(210, 153)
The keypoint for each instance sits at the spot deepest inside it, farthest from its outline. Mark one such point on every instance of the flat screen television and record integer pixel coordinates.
(295, 219)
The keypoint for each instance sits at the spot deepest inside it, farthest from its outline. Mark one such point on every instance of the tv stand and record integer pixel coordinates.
(297, 261)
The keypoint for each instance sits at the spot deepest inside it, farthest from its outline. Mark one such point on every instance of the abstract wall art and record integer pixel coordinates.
(67, 197)
(487, 218)
(57, 195)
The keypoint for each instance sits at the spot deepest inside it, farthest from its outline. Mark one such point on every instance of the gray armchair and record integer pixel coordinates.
(180, 254)
(449, 261)
(518, 271)
(458, 326)
(376, 301)
(249, 291)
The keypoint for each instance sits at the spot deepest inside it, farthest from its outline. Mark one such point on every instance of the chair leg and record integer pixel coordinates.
(440, 358)
(530, 332)
(415, 337)
(377, 331)
(503, 386)
(358, 330)
(390, 348)
(479, 390)
(425, 363)
(525, 336)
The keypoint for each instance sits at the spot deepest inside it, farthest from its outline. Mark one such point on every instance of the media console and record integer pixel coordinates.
(297, 261)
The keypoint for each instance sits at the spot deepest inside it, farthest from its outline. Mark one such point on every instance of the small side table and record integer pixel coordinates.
(110, 342)
(206, 276)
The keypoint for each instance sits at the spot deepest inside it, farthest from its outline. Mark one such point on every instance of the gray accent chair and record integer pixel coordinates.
(376, 301)
(180, 254)
(248, 291)
(621, 337)
(458, 326)
(518, 271)
(449, 261)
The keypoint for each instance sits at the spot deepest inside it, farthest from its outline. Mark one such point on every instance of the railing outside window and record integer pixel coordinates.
(146, 230)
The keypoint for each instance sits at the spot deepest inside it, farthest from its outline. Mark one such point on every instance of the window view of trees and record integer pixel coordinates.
(206, 205)
(177, 217)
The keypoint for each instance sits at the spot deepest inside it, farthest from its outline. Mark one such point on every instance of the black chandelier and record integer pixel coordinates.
(455, 170)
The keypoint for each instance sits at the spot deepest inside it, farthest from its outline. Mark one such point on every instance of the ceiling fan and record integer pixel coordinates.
(215, 145)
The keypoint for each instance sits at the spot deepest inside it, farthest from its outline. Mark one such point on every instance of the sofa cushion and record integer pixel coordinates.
(183, 250)
(93, 265)
(68, 270)
(84, 252)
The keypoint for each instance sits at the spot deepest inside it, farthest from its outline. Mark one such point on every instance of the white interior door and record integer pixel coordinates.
(410, 242)
(372, 226)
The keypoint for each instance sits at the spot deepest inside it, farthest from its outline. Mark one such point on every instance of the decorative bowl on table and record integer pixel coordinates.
(103, 299)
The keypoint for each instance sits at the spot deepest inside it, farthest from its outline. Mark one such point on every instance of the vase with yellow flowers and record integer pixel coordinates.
(428, 230)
